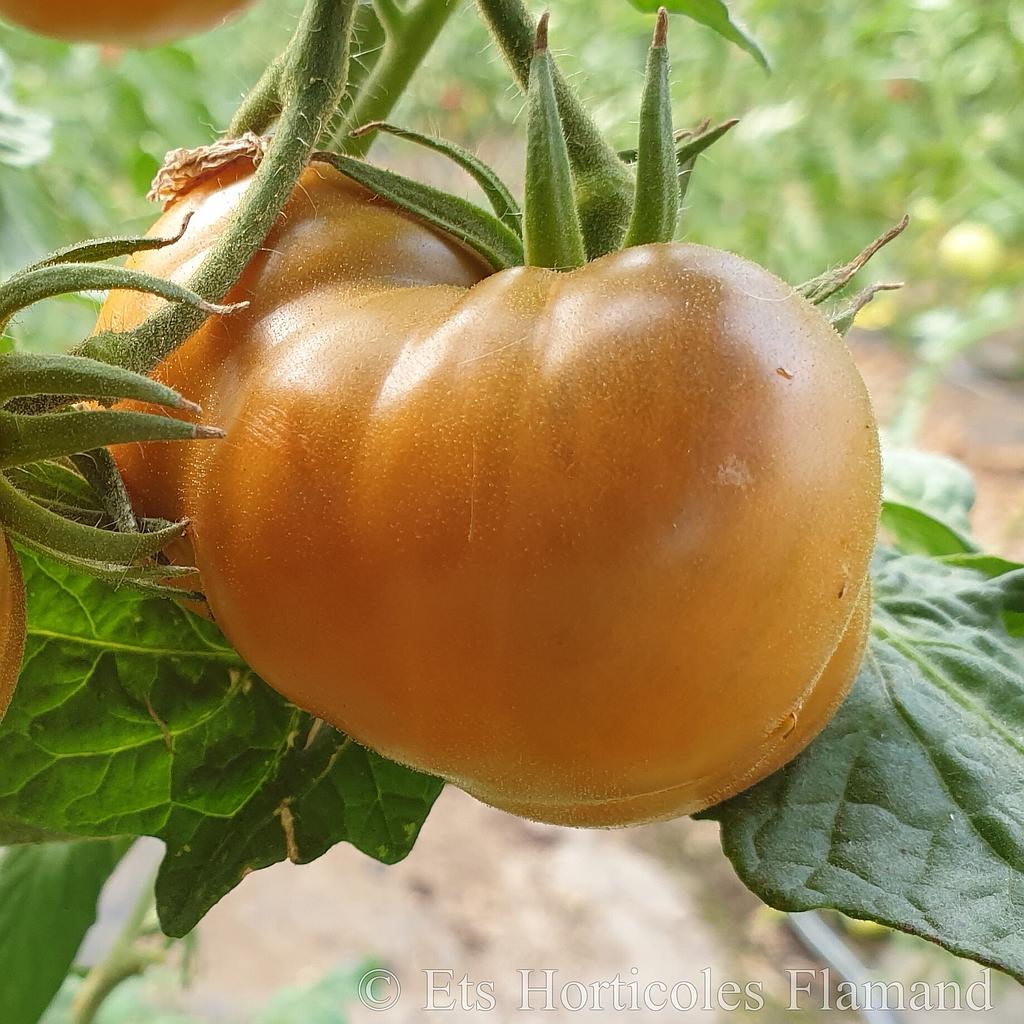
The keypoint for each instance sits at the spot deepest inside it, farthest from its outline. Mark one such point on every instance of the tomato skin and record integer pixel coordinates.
(12, 623)
(585, 544)
(118, 22)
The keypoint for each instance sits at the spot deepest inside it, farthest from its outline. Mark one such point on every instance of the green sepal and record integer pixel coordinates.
(60, 485)
(29, 375)
(842, 319)
(96, 250)
(25, 520)
(57, 481)
(656, 203)
(144, 579)
(505, 206)
(825, 285)
(44, 282)
(76, 513)
(551, 223)
(478, 229)
(693, 144)
(604, 185)
(49, 436)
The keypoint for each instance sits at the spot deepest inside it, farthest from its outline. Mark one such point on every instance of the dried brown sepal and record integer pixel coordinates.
(183, 169)
(843, 319)
(825, 285)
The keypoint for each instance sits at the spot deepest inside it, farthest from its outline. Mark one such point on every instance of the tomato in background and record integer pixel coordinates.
(118, 22)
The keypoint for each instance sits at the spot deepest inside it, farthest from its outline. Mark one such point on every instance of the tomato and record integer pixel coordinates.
(12, 623)
(118, 22)
(589, 545)
(972, 250)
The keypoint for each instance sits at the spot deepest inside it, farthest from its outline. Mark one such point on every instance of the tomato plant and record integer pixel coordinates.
(118, 22)
(539, 500)
(12, 623)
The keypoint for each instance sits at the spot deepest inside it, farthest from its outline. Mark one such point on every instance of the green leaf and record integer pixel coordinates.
(909, 808)
(992, 566)
(309, 799)
(927, 500)
(48, 896)
(134, 717)
(916, 532)
(715, 15)
(324, 1002)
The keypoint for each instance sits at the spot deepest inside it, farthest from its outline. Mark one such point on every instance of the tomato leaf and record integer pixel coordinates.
(715, 15)
(927, 503)
(134, 717)
(318, 794)
(48, 896)
(909, 809)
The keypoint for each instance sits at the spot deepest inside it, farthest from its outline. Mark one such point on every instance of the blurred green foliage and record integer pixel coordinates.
(871, 110)
(156, 998)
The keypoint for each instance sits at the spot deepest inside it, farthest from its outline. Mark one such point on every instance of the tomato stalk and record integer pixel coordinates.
(842, 319)
(604, 184)
(310, 77)
(24, 519)
(47, 280)
(409, 33)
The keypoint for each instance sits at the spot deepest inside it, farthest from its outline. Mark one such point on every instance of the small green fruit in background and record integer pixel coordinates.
(971, 250)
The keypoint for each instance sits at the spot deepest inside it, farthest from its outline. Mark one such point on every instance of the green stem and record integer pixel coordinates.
(262, 104)
(604, 185)
(313, 75)
(123, 961)
(367, 45)
(389, 13)
(101, 473)
(409, 35)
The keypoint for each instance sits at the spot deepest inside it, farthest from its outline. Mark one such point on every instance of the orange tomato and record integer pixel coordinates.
(118, 22)
(589, 545)
(12, 623)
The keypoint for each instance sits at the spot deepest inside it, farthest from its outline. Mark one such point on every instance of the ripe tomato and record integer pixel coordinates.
(118, 22)
(589, 544)
(12, 623)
